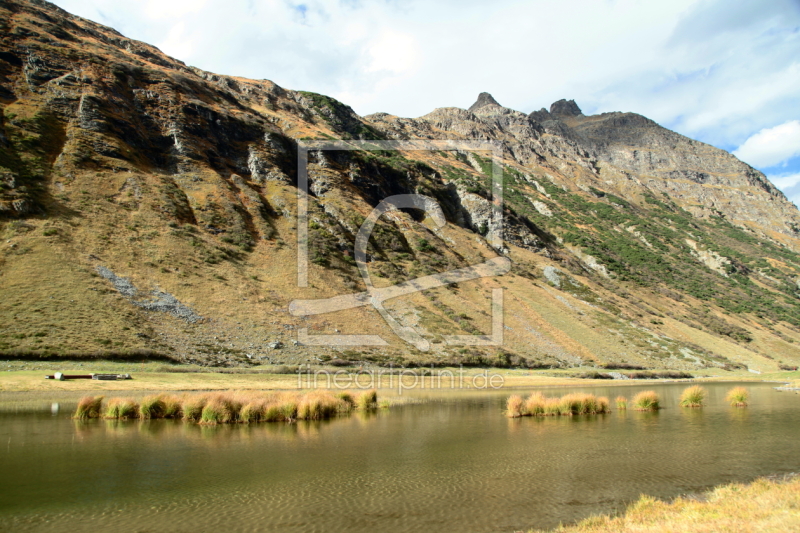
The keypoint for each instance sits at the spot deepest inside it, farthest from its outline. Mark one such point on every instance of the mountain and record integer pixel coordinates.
(149, 209)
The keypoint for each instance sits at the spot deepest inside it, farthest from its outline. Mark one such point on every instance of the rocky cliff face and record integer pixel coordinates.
(704, 180)
(149, 208)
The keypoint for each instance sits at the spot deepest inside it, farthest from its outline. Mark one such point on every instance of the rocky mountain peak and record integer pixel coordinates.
(541, 115)
(483, 100)
(565, 107)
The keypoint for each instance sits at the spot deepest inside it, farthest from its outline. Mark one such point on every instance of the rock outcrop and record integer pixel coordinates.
(483, 100)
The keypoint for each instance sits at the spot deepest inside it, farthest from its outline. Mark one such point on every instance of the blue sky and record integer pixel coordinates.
(726, 73)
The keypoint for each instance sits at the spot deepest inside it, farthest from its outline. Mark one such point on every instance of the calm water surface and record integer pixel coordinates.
(450, 465)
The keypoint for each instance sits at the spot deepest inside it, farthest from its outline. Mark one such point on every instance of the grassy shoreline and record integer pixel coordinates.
(29, 377)
(766, 504)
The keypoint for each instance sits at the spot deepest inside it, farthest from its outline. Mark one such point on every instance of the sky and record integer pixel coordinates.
(724, 72)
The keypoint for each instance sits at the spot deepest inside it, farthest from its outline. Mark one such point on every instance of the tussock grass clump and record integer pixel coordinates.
(173, 407)
(288, 410)
(571, 404)
(515, 406)
(551, 407)
(346, 397)
(152, 407)
(192, 407)
(121, 408)
(622, 403)
(229, 407)
(273, 413)
(252, 411)
(603, 405)
(646, 401)
(534, 405)
(367, 399)
(538, 404)
(89, 407)
(219, 409)
(309, 409)
(693, 396)
(738, 397)
(321, 404)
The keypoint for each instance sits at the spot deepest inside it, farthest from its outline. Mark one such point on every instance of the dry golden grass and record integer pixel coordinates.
(622, 403)
(761, 506)
(514, 406)
(152, 407)
(229, 407)
(603, 405)
(534, 405)
(121, 408)
(693, 396)
(738, 397)
(253, 410)
(193, 406)
(147, 377)
(537, 404)
(172, 406)
(220, 409)
(89, 407)
(646, 401)
(318, 405)
(367, 400)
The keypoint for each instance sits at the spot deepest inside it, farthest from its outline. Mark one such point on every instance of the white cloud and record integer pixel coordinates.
(176, 42)
(771, 146)
(785, 181)
(792, 190)
(159, 9)
(394, 52)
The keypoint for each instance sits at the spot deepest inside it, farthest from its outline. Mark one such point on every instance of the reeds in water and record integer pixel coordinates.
(89, 407)
(534, 405)
(538, 404)
(646, 401)
(693, 396)
(738, 397)
(253, 411)
(603, 405)
(320, 405)
(220, 409)
(514, 406)
(173, 407)
(121, 408)
(229, 407)
(622, 403)
(192, 407)
(367, 400)
(346, 397)
(152, 407)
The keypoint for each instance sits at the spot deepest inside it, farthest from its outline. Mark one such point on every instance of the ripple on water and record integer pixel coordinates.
(455, 466)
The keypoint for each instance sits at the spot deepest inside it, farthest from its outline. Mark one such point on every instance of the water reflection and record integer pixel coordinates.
(693, 416)
(460, 465)
(739, 415)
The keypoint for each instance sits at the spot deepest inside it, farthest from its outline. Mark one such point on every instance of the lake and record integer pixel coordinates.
(452, 464)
